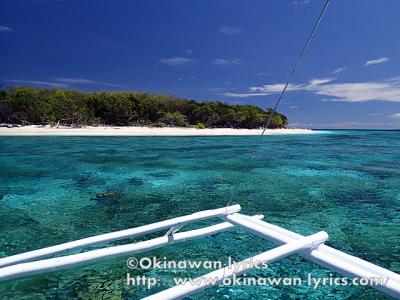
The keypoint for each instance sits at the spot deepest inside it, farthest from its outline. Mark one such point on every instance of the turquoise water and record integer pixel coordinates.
(57, 189)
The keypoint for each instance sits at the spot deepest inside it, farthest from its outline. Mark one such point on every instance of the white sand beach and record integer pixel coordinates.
(139, 131)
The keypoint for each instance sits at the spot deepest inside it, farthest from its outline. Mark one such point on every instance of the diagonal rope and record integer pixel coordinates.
(288, 81)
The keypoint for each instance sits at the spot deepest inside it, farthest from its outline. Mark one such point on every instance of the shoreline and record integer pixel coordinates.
(141, 131)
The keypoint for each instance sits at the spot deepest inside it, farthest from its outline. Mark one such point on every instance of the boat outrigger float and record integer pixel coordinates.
(310, 247)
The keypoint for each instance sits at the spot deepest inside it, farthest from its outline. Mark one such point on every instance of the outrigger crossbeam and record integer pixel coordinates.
(311, 247)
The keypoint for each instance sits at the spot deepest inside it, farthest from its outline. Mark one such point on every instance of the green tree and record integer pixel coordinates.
(174, 119)
(27, 105)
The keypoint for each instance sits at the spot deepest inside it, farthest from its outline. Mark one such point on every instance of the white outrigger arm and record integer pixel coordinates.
(311, 247)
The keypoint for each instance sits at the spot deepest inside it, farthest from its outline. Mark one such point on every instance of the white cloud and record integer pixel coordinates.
(86, 81)
(376, 61)
(360, 91)
(385, 90)
(224, 61)
(348, 125)
(188, 52)
(301, 2)
(274, 88)
(318, 81)
(177, 61)
(62, 82)
(293, 107)
(186, 78)
(396, 116)
(339, 70)
(5, 29)
(229, 30)
(244, 95)
(37, 82)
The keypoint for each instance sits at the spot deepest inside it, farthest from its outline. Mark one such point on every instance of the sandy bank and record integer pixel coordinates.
(140, 131)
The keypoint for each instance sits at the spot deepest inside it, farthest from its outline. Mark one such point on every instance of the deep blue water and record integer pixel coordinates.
(344, 182)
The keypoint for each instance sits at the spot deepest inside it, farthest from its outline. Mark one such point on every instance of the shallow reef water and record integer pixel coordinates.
(57, 189)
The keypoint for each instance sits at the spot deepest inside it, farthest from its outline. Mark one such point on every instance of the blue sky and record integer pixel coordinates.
(238, 52)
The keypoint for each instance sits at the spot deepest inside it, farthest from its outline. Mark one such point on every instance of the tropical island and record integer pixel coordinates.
(57, 107)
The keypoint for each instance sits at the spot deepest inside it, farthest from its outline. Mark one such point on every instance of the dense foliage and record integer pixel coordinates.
(26, 105)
